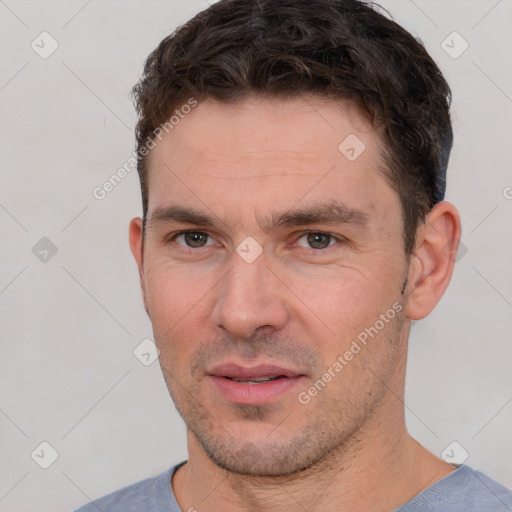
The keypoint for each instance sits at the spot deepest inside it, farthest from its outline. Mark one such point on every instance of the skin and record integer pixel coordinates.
(294, 306)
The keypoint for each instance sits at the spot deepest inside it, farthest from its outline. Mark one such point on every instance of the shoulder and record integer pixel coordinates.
(152, 494)
(463, 490)
(483, 491)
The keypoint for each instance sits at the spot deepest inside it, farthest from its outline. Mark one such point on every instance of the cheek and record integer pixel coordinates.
(171, 290)
(342, 292)
(176, 304)
(346, 305)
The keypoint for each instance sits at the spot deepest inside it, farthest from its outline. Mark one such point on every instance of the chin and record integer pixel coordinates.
(261, 458)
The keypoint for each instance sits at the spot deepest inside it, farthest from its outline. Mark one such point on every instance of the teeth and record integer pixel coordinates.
(255, 380)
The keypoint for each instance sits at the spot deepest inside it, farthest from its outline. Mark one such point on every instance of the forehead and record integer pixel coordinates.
(253, 128)
(260, 152)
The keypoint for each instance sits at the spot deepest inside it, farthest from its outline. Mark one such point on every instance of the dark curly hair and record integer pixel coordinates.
(340, 49)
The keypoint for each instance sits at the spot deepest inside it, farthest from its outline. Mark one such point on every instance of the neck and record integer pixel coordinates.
(378, 476)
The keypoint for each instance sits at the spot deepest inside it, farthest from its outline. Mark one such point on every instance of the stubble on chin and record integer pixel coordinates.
(270, 441)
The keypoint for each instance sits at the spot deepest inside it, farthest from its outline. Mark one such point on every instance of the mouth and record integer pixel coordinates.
(257, 385)
(256, 380)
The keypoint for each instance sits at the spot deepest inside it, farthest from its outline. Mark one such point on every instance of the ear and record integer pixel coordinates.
(433, 259)
(136, 246)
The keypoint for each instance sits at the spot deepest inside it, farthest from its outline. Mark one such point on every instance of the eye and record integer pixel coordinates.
(193, 239)
(317, 240)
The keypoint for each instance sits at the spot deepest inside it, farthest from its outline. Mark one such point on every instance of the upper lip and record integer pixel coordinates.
(234, 371)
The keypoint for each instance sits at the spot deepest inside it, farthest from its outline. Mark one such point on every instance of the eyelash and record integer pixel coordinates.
(190, 250)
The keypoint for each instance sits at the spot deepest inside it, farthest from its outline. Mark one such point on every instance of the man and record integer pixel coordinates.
(292, 164)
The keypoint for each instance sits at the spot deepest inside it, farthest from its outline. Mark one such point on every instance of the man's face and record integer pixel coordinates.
(267, 254)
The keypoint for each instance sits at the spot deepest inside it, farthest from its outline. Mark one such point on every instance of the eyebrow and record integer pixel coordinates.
(321, 213)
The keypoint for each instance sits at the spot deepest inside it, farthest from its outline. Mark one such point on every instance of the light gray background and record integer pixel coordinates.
(69, 325)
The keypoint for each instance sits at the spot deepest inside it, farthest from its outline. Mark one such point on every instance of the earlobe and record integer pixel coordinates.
(433, 260)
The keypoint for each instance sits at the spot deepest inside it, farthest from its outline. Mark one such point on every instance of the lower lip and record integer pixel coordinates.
(254, 394)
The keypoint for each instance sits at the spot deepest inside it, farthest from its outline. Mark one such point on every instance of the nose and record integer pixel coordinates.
(250, 297)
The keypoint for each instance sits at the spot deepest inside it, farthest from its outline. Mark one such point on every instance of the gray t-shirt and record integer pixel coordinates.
(463, 490)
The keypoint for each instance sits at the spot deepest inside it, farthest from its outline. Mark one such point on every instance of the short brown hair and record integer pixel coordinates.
(342, 49)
